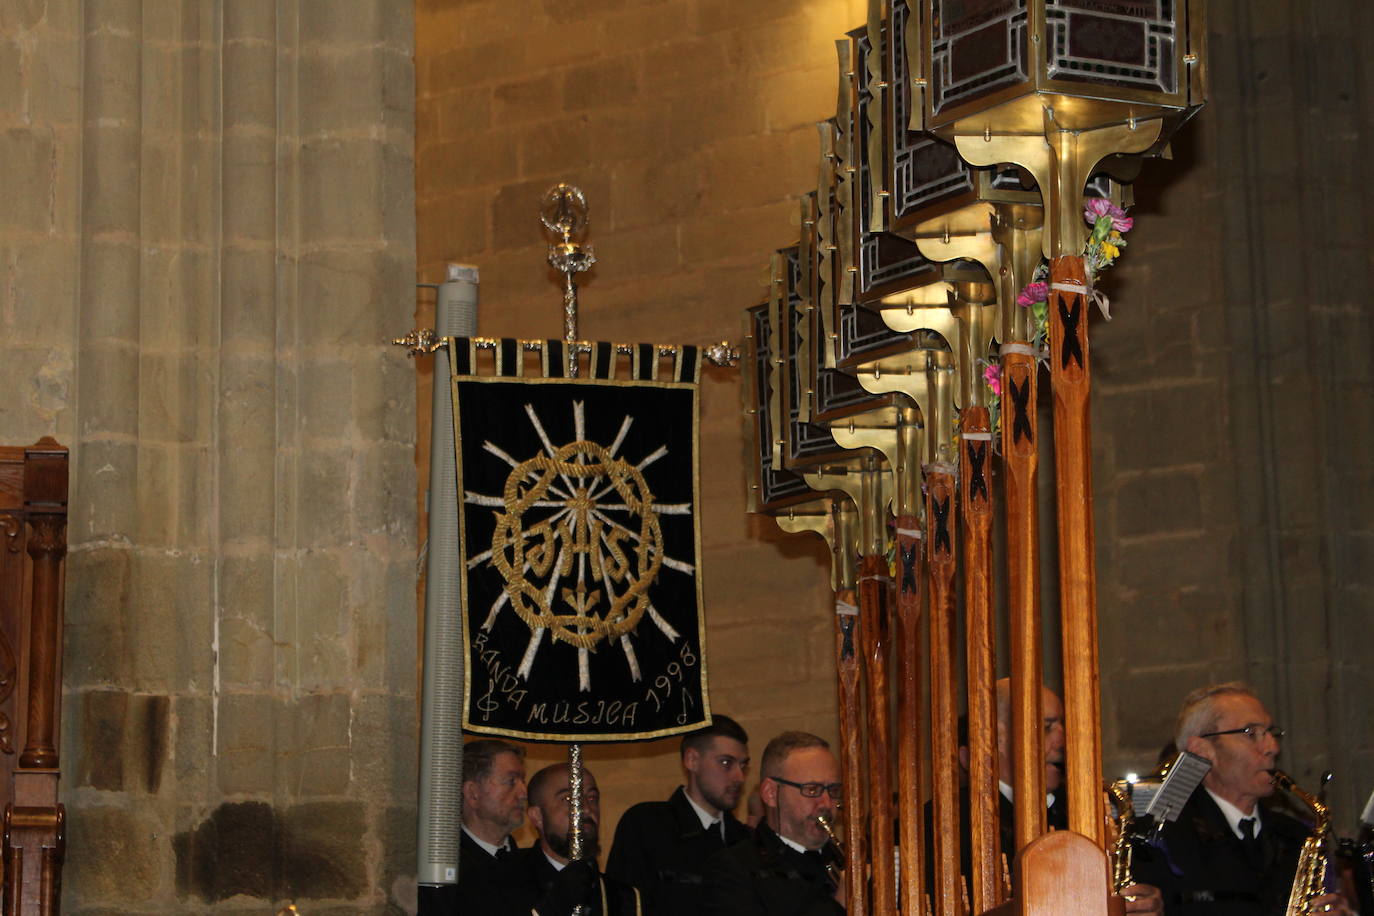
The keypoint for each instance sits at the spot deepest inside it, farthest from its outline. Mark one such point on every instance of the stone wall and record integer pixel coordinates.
(1231, 450)
(1233, 442)
(690, 126)
(207, 236)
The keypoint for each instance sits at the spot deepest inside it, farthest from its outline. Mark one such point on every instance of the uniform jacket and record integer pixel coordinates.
(761, 876)
(528, 881)
(661, 848)
(473, 864)
(1202, 868)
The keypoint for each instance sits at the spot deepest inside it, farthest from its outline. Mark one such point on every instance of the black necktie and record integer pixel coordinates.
(1251, 843)
(503, 853)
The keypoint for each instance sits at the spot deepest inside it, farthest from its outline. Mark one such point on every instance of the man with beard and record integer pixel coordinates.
(780, 870)
(494, 801)
(1227, 854)
(544, 879)
(661, 847)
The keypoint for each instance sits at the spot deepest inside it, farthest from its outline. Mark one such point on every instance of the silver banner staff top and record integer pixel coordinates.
(564, 214)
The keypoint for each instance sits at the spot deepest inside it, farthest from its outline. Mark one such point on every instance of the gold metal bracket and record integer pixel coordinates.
(420, 342)
(1061, 160)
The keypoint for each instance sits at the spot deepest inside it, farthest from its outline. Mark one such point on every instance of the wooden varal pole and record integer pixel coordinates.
(848, 662)
(910, 649)
(874, 583)
(1018, 231)
(975, 305)
(941, 488)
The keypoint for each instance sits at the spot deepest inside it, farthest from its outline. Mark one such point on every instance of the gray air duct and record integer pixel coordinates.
(441, 738)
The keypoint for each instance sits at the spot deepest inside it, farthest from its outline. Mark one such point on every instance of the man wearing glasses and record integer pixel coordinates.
(661, 847)
(780, 870)
(1227, 854)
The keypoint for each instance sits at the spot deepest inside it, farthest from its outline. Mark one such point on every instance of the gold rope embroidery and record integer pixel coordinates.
(615, 554)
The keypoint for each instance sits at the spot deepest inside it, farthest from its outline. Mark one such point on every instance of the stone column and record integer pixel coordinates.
(241, 643)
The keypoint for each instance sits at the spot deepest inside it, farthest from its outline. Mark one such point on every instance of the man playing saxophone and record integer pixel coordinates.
(781, 869)
(1227, 854)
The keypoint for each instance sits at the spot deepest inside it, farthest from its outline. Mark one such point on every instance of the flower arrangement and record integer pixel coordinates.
(1109, 226)
(1035, 296)
(992, 378)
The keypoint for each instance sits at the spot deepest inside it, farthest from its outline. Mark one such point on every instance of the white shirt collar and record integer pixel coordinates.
(707, 821)
(1010, 795)
(491, 848)
(1234, 815)
(557, 865)
(797, 846)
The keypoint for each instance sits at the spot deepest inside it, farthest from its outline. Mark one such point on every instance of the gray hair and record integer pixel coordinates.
(479, 755)
(1200, 715)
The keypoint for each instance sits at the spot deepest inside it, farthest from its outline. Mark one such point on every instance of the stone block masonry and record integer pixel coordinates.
(1224, 478)
(212, 217)
(208, 236)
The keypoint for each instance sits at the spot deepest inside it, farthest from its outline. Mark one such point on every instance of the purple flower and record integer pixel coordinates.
(992, 375)
(1097, 207)
(1033, 293)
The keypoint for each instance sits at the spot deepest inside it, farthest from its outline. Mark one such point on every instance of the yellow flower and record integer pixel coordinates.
(1110, 251)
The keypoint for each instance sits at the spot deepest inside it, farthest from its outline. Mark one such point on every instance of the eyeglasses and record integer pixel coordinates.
(1254, 731)
(813, 789)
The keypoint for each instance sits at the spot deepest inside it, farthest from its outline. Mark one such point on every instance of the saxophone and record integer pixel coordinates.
(1309, 882)
(833, 865)
(1122, 846)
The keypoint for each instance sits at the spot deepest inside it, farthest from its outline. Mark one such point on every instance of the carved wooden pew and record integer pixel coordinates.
(33, 543)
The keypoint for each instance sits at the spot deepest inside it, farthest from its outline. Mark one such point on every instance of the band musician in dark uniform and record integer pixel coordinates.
(661, 847)
(1228, 854)
(544, 879)
(781, 869)
(494, 802)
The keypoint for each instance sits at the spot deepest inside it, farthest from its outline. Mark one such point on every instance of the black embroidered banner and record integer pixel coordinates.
(578, 531)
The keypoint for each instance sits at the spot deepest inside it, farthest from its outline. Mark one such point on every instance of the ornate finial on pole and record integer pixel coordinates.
(723, 354)
(564, 214)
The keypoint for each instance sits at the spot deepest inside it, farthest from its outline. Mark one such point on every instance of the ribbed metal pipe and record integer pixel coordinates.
(441, 737)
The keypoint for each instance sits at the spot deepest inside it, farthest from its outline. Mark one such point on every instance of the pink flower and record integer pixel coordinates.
(1097, 207)
(1033, 293)
(992, 376)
